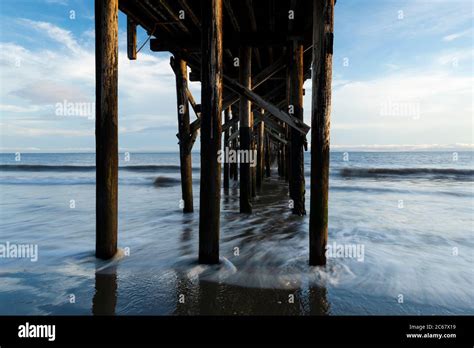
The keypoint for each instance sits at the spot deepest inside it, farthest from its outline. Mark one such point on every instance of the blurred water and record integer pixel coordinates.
(412, 213)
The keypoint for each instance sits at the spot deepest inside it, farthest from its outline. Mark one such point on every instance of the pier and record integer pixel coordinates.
(252, 58)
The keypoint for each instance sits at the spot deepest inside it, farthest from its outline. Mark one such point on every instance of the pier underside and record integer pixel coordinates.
(252, 58)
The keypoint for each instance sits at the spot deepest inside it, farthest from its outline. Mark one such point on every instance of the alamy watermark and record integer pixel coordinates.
(237, 156)
(400, 109)
(19, 251)
(78, 109)
(350, 251)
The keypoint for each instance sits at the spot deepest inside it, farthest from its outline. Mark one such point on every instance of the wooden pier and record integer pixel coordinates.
(252, 58)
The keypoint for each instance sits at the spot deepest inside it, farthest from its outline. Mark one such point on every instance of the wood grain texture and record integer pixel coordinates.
(106, 126)
(323, 28)
(185, 137)
(211, 131)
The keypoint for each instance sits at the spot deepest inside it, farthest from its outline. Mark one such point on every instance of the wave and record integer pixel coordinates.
(163, 181)
(76, 168)
(433, 173)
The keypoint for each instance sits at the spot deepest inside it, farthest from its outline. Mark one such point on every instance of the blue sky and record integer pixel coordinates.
(402, 78)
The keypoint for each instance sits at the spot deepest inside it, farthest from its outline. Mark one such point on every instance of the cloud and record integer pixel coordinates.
(452, 37)
(405, 147)
(57, 2)
(405, 108)
(38, 131)
(50, 92)
(34, 80)
(62, 36)
(18, 109)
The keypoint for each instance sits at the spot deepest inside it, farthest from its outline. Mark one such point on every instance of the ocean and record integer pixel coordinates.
(407, 215)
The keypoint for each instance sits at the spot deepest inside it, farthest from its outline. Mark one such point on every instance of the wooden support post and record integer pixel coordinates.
(245, 79)
(297, 180)
(280, 160)
(131, 39)
(286, 157)
(260, 152)
(106, 126)
(253, 146)
(181, 73)
(226, 145)
(267, 155)
(235, 128)
(211, 131)
(323, 27)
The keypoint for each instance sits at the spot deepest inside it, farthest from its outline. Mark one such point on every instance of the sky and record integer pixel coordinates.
(402, 79)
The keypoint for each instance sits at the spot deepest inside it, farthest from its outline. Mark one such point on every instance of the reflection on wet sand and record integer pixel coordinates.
(213, 298)
(105, 297)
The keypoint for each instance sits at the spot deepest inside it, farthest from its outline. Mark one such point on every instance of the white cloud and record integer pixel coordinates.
(454, 36)
(57, 34)
(420, 106)
(58, 2)
(44, 77)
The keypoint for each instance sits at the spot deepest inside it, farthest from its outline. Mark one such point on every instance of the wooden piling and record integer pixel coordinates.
(226, 145)
(297, 179)
(286, 156)
(279, 160)
(106, 125)
(181, 73)
(211, 131)
(323, 28)
(235, 128)
(253, 169)
(260, 151)
(245, 79)
(267, 155)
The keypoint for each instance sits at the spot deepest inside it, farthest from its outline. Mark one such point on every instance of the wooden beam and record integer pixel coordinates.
(189, 13)
(253, 27)
(131, 39)
(276, 136)
(245, 77)
(196, 107)
(181, 73)
(297, 179)
(174, 16)
(233, 18)
(230, 123)
(259, 101)
(190, 43)
(234, 135)
(274, 126)
(106, 126)
(211, 131)
(323, 34)
(259, 79)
